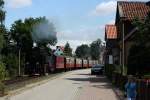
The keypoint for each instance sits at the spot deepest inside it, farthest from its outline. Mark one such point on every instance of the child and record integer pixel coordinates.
(130, 87)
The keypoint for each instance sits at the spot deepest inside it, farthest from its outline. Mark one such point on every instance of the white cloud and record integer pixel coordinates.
(111, 22)
(85, 35)
(104, 8)
(18, 3)
(107, 7)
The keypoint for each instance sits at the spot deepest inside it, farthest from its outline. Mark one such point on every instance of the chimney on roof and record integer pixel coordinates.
(148, 3)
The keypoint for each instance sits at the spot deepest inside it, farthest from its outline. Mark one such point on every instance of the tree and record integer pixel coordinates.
(21, 34)
(143, 27)
(2, 27)
(2, 41)
(38, 30)
(11, 61)
(83, 51)
(67, 50)
(2, 12)
(2, 30)
(139, 54)
(32, 30)
(96, 49)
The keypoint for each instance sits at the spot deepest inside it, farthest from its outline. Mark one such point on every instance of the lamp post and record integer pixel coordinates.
(123, 50)
(19, 59)
(19, 72)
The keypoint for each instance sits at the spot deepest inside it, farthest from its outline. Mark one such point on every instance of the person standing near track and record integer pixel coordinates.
(130, 88)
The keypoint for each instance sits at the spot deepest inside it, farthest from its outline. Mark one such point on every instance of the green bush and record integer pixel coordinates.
(2, 71)
(2, 77)
(116, 75)
(11, 61)
(109, 69)
(118, 69)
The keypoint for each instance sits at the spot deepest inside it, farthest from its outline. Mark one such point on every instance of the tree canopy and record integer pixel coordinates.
(2, 27)
(142, 36)
(26, 33)
(83, 51)
(2, 40)
(31, 30)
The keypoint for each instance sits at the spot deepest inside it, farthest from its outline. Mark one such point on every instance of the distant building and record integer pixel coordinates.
(111, 50)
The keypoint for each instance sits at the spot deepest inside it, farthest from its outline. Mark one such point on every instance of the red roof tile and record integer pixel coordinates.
(111, 32)
(131, 10)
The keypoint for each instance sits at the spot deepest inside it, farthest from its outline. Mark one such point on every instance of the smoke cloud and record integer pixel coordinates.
(44, 32)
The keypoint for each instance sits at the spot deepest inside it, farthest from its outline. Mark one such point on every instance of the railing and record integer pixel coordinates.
(143, 89)
(143, 86)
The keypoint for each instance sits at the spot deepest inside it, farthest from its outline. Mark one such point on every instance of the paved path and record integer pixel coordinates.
(75, 85)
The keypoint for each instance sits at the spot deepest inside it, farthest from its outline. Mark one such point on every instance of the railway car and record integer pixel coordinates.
(85, 63)
(69, 63)
(96, 62)
(90, 63)
(56, 63)
(60, 63)
(93, 62)
(78, 63)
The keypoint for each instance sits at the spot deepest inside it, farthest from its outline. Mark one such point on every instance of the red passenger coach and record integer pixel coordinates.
(60, 62)
(72, 62)
(69, 63)
(85, 63)
(90, 63)
(78, 63)
(96, 62)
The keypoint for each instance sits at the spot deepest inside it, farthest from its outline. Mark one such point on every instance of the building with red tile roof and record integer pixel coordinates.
(127, 11)
(131, 10)
(111, 43)
(120, 37)
(110, 32)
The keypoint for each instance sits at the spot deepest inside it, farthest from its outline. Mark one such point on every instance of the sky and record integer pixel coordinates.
(76, 21)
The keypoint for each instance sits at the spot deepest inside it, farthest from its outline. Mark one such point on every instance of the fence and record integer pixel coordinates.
(143, 89)
(143, 85)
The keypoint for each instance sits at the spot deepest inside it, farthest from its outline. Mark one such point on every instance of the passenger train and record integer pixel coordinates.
(55, 63)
